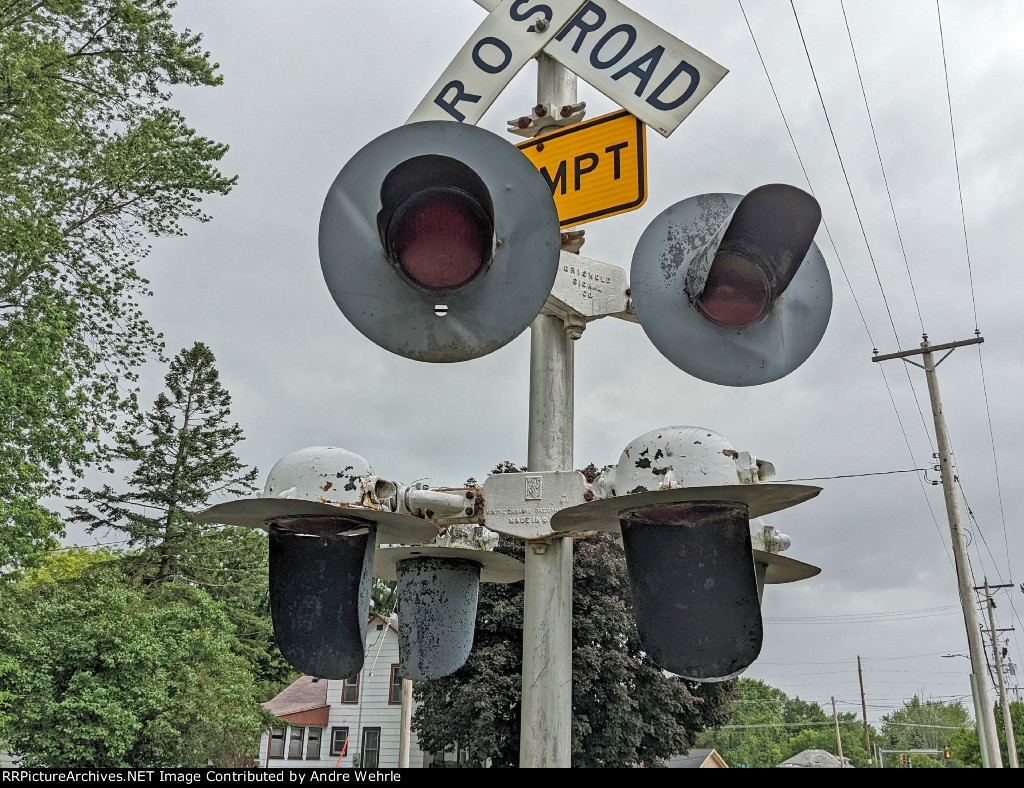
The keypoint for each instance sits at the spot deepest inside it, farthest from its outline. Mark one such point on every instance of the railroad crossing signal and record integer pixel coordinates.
(732, 289)
(325, 511)
(439, 241)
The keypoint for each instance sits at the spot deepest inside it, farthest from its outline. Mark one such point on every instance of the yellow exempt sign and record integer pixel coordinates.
(594, 169)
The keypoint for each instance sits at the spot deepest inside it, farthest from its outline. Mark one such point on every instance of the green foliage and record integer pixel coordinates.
(383, 597)
(907, 728)
(775, 733)
(181, 454)
(93, 164)
(966, 749)
(110, 674)
(964, 746)
(823, 737)
(42, 429)
(65, 564)
(625, 710)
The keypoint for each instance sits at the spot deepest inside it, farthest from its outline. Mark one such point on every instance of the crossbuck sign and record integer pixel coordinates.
(643, 68)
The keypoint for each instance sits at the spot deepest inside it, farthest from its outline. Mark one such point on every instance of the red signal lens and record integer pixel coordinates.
(441, 238)
(736, 292)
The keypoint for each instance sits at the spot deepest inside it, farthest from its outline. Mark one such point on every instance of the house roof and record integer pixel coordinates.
(814, 759)
(303, 694)
(695, 759)
(381, 619)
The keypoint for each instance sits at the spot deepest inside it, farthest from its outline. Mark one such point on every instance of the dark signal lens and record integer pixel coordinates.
(441, 238)
(436, 222)
(735, 293)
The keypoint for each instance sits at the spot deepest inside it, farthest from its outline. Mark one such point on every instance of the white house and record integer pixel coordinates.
(345, 723)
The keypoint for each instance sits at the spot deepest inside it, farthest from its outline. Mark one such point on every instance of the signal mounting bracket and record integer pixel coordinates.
(547, 115)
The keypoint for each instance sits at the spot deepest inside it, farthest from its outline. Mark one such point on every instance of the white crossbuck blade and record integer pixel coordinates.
(643, 68)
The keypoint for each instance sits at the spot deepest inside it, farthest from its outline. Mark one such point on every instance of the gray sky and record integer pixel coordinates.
(308, 85)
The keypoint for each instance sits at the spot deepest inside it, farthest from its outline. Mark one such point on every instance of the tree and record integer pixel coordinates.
(823, 737)
(760, 745)
(769, 728)
(383, 597)
(626, 711)
(923, 724)
(107, 673)
(964, 743)
(41, 429)
(181, 454)
(93, 163)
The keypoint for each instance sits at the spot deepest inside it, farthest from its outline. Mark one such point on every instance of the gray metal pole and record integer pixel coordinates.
(965, 580)
(545, 733)
(1011, 741)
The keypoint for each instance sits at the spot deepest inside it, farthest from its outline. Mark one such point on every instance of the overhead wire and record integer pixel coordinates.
(853, 475)
(846, 276)
(974, 302)
(856, 209)
(881, 166)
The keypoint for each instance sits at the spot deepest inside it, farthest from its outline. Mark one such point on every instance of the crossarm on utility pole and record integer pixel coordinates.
(929, 349)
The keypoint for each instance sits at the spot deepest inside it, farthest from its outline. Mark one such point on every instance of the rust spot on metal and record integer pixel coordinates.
(660, 471)
(588, 495)
(327, 486)
(731, 453)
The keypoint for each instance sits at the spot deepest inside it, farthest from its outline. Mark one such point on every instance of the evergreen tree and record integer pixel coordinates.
(626, 711)
(182, 453)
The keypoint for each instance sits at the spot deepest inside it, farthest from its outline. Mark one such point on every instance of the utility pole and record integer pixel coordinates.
(839, 741)
(1011, 742)
(991, 756)
(544, 739)
(864, 711)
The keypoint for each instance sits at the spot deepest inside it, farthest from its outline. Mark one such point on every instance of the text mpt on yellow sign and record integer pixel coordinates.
(595, 169)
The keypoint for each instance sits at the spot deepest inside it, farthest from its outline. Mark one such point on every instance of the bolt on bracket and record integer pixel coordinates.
(544, 115)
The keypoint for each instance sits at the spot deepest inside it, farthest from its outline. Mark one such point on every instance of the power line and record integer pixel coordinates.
(956, 164)
(974, 303)
(881, 166)
(849, 284)
(853, 475)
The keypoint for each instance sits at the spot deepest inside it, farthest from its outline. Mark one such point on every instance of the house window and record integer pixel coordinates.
(339, 740)
(295, 743)
(396, 686)
(350, 690)
(313, 743)
(276, 742)
(371, 748)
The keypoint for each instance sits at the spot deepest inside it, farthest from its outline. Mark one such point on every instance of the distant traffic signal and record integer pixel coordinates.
(731, 288)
